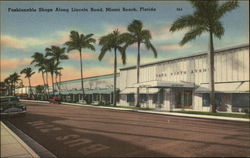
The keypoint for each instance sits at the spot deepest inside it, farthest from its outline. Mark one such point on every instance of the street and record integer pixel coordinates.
(73, 131)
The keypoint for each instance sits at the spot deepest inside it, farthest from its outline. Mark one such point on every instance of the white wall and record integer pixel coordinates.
(232, 65)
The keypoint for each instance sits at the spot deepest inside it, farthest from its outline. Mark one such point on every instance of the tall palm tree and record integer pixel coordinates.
(57, 54)
(206, 18)
(115, 41)
(13, 79)
(78, 42)
(40, 61)
(138, 35)
(28, 72)
(52, 68)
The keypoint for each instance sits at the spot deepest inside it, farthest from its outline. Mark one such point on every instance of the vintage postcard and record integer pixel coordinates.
(125, 78)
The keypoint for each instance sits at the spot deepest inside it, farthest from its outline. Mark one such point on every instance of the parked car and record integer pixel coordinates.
(55, 100)
(10, 105)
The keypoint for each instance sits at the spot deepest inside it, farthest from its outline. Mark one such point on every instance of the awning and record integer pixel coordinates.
(142, 90)
(164, 84)
(235, 87)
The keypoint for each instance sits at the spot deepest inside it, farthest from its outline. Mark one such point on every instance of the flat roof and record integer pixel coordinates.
(190, 56)
(92, 78)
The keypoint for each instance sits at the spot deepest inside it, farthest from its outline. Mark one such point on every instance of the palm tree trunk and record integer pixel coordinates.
(115, 67)
(47, 80)
(31, 93)
(138, 76)
(11, 89)
(14, 88)
(81, 74)
(44, 84)
(211, 71)
(56, 78)
(52, 80)
(59, 85)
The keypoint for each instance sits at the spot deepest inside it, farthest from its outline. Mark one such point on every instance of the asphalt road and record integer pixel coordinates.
(73, 131)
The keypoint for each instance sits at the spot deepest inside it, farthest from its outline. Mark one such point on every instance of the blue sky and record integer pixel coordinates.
(23, 33)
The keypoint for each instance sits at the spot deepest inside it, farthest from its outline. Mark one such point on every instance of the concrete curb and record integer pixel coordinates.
(32, 144)
(157, 112)
(24, 145)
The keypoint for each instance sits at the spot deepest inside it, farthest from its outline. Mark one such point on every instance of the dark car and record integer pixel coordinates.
(10, 105)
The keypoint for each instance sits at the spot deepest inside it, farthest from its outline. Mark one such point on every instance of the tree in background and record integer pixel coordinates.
(136, 34)
(28, 72)
(56, 53)
(116, 42)
(78, 42)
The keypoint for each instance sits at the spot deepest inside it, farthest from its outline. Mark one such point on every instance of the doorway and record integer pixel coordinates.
(183, 99)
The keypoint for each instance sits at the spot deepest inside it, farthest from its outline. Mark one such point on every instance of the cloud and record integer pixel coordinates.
(62, 36)
(57, 38)
(70, 73)
(8, 41)
(85, 55)
(21, 43)
(161, 33)
(8, 64)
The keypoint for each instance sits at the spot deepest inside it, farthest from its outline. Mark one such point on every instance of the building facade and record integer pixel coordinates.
(97, 89)
(175, 84)
(183, 83)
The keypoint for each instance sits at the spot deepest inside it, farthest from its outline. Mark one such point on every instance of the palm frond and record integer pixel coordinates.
(135, 27)
(218, 29)
(186, 21)
(226, 7)
(90, 46)
(192, 34)
(103, 52)
(122, 51)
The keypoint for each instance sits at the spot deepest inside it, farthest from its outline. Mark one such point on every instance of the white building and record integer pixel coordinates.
(25, 90)
(176, 84)
(182, 83)
(97, 88)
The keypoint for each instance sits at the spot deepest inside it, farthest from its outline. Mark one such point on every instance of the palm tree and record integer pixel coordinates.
(206, 18)
(115, 41)
(7, 84)
(13, 79)
(28, 72)
(78, 42)
(52, 68)
(57, 54)
(138, 35)
(40, 61)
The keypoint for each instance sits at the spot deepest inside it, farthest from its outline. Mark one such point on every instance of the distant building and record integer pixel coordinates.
(98, 88)
(24, 91)
(176, 84)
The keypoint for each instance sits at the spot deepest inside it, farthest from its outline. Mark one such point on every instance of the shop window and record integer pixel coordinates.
(155, 98)
(130, 98)
(241, 100)
(143, 97)
(206, 99)
(158, 97)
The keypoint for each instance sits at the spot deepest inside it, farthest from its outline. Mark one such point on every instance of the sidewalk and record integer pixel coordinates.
(159, 112)
(167, 113)
(12, 146)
